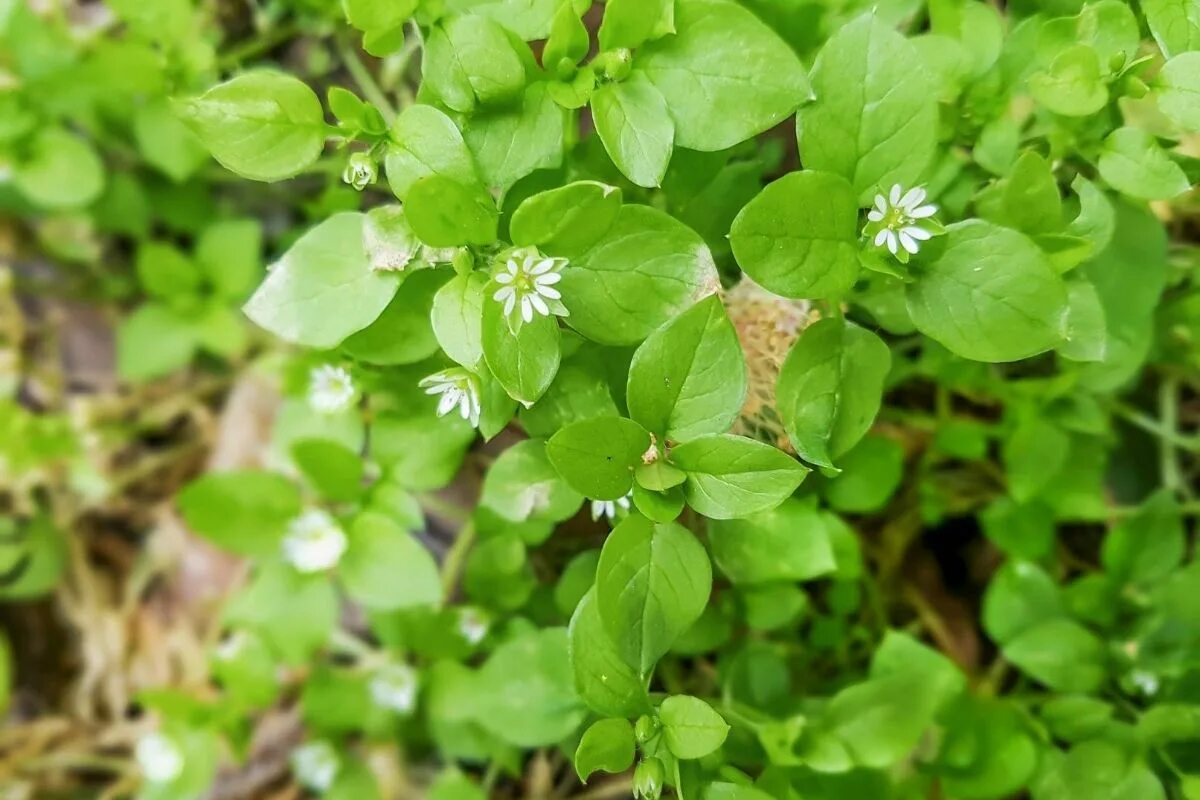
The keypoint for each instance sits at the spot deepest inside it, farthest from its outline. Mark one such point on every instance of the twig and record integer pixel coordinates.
(366, 82)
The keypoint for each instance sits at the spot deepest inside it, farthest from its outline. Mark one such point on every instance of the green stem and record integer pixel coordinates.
(456, 556)
(264, 42)
(1168, 412)
(678, 781)
(1151, 425)
(366, 82)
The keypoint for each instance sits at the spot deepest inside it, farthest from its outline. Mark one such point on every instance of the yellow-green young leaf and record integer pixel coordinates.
(635, 126)
(1179, 90)
(528, 19)
(511, 142)
(788, 543)
(830, 388)
(378, 15)
(154, 340)
(645, 270)
(59, 171)
(690, 726)
(874, 121)
(526, 694)
(263, 125)
(167, 143)
(988, 293)
(323, 289)
(688, 378)
(457, 317)
(799, 237)
(332, 469)
(523, 485)
(293, 612)
(469, 59)
(524, 361)
(725, 75)
(732, 476)
(1073, 84)
(1174, 23)
(568, 42)
(424, 142)
(244, 511)
(1133, 163)
(165, 272)
(597, 456)
(632, 23)
(386, 568)
(607, 684)
(652, 583)
(607, 745)
(567, 220)
(445, 213)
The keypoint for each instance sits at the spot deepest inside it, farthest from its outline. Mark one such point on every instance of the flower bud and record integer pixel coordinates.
(616, 64)
(648, 779)
(360, 171)
(645, 729)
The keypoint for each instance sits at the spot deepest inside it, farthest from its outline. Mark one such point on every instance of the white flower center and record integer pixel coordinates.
(314, 542)
(527, 284)
(316, 764)
(159, 757)
(394, 688)
(330, 389)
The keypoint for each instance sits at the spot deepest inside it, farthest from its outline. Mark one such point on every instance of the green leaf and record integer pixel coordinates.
(607, 684)
(295, 613)
(1146, 547)
(688, 378)
(1061, 654)
(469, 59)
(787, 543)
(1020, 596)
(323, 289)
(153, 341)
(652, 583)
(1073, 85)
(1087, 332)
(510, 143)
(1133, 163)
(830, 388)
(645, 270)
(634, 123)
(457, 318)
(1028, 198)
(632, 23)
(528, 19)
(526, 695)
(59, 171)
(167, 143)
(597, 456)
(244, 511)
(378, 15)
(523, 485)
(872, 471)
(165, 272)
(263, 125)
(690, 726)
(386, 568)
(402, 333)
(568, 220)
(229, 254)
(524, 361)
(1174, 23)
(987, 293)
(426, 142)
(607, 745)
(875, 118)
(799, 237)
(732, 476)
(1178, 92)
(722, 57)
(332, 468)
(568, 43)
(446, 213)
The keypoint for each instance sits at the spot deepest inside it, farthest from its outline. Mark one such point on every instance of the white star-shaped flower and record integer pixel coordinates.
(608, 508)
(330, 389)
(394, 687)
(159, 757)
(472, 625)
(314, 542)
(315, 765)
(898, 219)
(458, 388)
(527, 282)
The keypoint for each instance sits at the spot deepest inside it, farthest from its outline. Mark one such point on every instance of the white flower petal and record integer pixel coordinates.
(891, 241)
(509, 304)
(913, 197)
(919, 234)
(875, 216)
(907, 242)
(503, 292)
(464, 406)
(894, 195)
(881, 204)
(505, 277)
(539, 304)
(449, 401)
(526, 309)
(548, 278)
(542, 267)
(547, 291)
(881, 237)
(923, 212)
(512, 266)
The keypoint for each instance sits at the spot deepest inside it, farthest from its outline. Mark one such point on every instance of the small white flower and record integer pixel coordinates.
(330, 389)
(1146, 682)
(898, 219)
(159, 757)
(472, 625)
(314, 542)
(231, 647)
(608, 508)
(360, 171)
(458, 388)
(394, 687)
(527, 281)
(315, 765)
